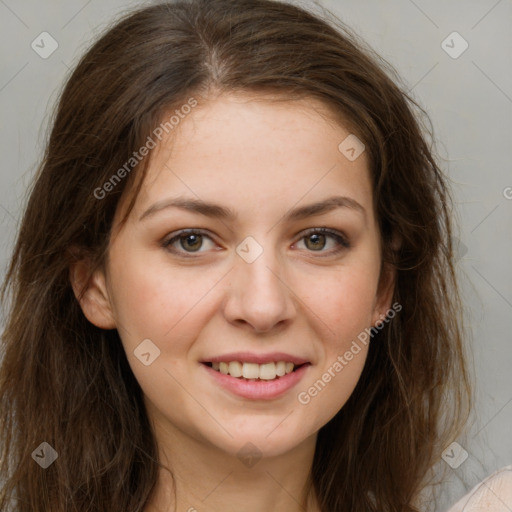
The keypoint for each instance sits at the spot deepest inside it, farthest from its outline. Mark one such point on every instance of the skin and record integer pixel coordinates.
(261, 160)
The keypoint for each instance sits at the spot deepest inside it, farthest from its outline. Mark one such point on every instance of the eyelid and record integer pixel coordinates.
(339, 235)
(341, 238)
(176, 235)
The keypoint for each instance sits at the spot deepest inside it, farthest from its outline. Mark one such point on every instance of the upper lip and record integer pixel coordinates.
(250, 357)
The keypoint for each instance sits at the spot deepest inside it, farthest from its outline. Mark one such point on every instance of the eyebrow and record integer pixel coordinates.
(220, 212)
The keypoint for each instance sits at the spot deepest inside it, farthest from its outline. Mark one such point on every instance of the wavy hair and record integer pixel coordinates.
(68, 383)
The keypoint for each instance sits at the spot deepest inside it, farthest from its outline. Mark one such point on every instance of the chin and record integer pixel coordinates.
(262, 442)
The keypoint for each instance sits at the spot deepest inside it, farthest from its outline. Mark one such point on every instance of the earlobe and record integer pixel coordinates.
(92, 294)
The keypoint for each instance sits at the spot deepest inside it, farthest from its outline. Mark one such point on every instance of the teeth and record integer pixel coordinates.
(268, 371)
(253, 371)
(281, 368)
(250, 370)
(235, 369)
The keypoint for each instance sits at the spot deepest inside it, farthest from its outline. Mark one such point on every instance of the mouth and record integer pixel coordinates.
(256, 376)
(246, 371)
(267, 381)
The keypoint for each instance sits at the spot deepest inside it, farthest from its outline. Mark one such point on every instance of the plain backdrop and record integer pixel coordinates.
(466, 91)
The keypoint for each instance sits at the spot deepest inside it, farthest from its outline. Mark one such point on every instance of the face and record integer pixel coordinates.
(254, 280)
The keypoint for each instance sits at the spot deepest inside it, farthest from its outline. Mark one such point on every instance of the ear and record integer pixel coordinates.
(385, 291)
(91, 292)
(387, 280)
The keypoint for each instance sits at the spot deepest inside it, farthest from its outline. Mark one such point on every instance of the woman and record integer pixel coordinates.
(234, 286)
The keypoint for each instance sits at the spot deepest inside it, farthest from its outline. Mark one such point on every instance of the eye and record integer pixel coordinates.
(316, 240)
(190, 241)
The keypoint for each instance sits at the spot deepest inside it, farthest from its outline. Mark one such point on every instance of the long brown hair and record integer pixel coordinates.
(68, 383)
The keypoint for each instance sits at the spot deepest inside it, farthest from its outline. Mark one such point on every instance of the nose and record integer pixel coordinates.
(258, 294)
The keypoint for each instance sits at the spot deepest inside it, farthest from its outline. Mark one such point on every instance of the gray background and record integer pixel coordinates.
(469, 99)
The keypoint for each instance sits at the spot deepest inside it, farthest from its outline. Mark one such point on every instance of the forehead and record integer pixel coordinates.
(245, 150)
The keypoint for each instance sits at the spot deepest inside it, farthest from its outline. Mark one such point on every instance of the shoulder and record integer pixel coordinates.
(493, 494)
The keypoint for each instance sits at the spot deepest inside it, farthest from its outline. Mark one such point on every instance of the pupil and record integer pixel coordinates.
(193, 237)
(316, 238)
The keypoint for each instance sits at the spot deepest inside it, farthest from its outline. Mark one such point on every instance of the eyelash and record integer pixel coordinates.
(339, 237)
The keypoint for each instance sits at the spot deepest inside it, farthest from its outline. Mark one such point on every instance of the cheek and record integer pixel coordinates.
(344, 310)
(154, 301)
(344, 303)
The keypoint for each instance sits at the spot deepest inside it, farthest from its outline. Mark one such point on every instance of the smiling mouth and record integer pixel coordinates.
(255, 372)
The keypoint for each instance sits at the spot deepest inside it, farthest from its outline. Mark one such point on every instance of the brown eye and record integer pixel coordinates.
(190, 241)
(193, 242)
(317, 239)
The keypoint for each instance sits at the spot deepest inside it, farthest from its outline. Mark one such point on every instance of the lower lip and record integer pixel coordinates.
(258, 389)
